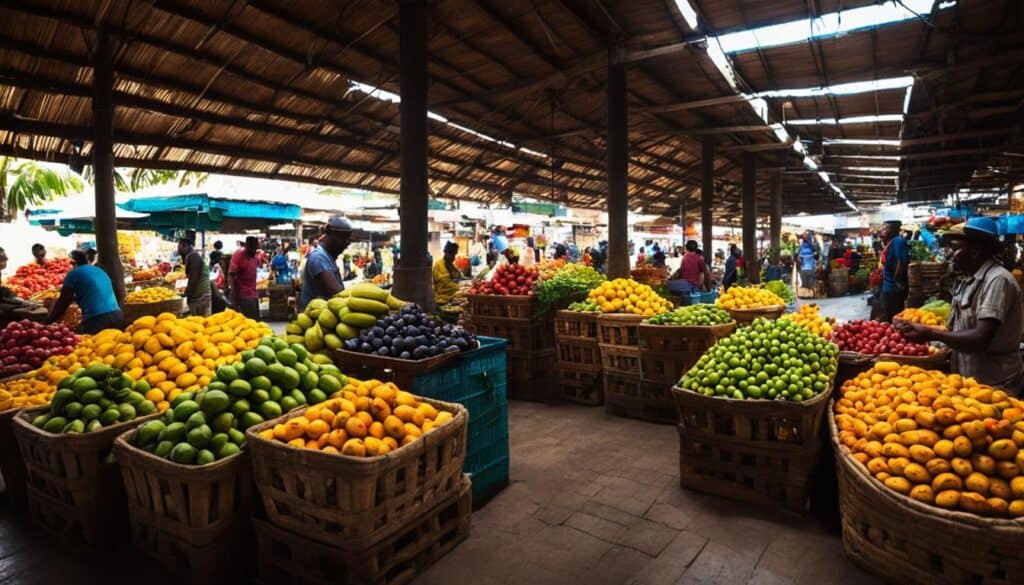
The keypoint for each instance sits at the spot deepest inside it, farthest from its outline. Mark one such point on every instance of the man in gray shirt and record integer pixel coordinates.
(986, 319)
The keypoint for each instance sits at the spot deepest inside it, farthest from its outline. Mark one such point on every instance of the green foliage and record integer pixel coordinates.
(26, 183)
(570, 283)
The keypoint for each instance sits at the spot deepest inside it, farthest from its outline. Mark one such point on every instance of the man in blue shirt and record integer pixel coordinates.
(90, 287)
(895, 258)
(731, 266)
(321, 278)
(808, 267)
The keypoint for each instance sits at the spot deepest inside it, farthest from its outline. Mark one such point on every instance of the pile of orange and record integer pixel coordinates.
(363, 419)
(926, 318)
(941, 439)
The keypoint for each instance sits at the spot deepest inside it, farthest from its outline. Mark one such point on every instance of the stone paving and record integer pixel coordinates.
(595, 499)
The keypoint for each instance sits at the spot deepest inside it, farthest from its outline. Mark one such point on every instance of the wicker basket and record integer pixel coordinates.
(906, 541)
(133, 311)
(521, 307)
(12, 467)
(621, 360)
(619, 329)
(579, 355)
(357, 501)
(747, 316)
(582, 386)
(631, 397)
(521, 334)
(935, 361)
(367, 366)
(186, 516)
(668, 351)
(759, 451)
(531, 375)
(575, 326)
(72, 488)
(288, 558)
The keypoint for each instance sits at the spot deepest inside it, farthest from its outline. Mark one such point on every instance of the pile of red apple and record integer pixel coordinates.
(509, 279)
(32, 278)
(873, 338)
(25, 345)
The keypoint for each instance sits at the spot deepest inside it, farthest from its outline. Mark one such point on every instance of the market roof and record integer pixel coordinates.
(283, 90)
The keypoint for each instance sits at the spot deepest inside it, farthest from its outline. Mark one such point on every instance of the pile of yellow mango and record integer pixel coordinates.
(153, 294)
(172, 354)
(940, 439)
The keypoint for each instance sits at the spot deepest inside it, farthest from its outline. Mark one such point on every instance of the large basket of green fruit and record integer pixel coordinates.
(188, 517)
(73, 487)
(670, 343)
(750, 414)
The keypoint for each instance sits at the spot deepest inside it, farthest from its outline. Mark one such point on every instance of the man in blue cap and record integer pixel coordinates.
(985, 319)
(895, 258)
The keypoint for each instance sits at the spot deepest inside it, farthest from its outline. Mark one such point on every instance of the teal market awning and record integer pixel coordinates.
(199, 211)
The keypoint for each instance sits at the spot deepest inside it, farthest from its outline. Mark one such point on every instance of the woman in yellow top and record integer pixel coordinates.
(446, 274)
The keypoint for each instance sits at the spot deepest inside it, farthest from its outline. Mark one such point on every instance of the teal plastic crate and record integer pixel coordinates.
(480, 386)
(488, 467)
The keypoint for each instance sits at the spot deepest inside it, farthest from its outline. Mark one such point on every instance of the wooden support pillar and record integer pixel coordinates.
(775, 216)
(108, 256)
(412, 275)
(751, 269)
(707, 194)
(618, 171)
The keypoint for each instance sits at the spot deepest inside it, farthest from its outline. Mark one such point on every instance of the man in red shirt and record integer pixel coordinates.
(691, 269)
(242, 276)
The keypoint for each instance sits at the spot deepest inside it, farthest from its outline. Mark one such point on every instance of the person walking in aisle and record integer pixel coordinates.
(91, 288)
(894, 260)
(242, 279)
(198, 293)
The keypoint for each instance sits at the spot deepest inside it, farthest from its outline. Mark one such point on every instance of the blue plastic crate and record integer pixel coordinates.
(488, 466)
(490, 480)
(443, 379)
(487, 429)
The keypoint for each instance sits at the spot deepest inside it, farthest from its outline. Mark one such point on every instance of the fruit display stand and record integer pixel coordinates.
(759, 451)
(747, 316)
(579, 357)
(907, 541)
(397, 559)
(353, 501)
(72, 488)
(619, 342)
(937, 360)
(531, 342)
(188, 517)
(133, 311)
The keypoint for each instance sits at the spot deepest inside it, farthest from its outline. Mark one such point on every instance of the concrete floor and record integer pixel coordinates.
(595, 499)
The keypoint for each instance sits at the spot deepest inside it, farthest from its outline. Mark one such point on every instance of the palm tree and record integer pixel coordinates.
(25, 183)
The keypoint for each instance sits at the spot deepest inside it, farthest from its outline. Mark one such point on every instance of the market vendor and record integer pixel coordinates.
(321, 278)
(198, 294)
(446, 275)
(90, 287)
(985, 318)
(894, 259)
(39, 253)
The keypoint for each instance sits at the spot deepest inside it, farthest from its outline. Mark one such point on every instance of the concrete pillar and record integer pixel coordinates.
(750, 218)
(775, 216)
(618, 172)
(412, 275)
(108, 256)
(707, 195)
